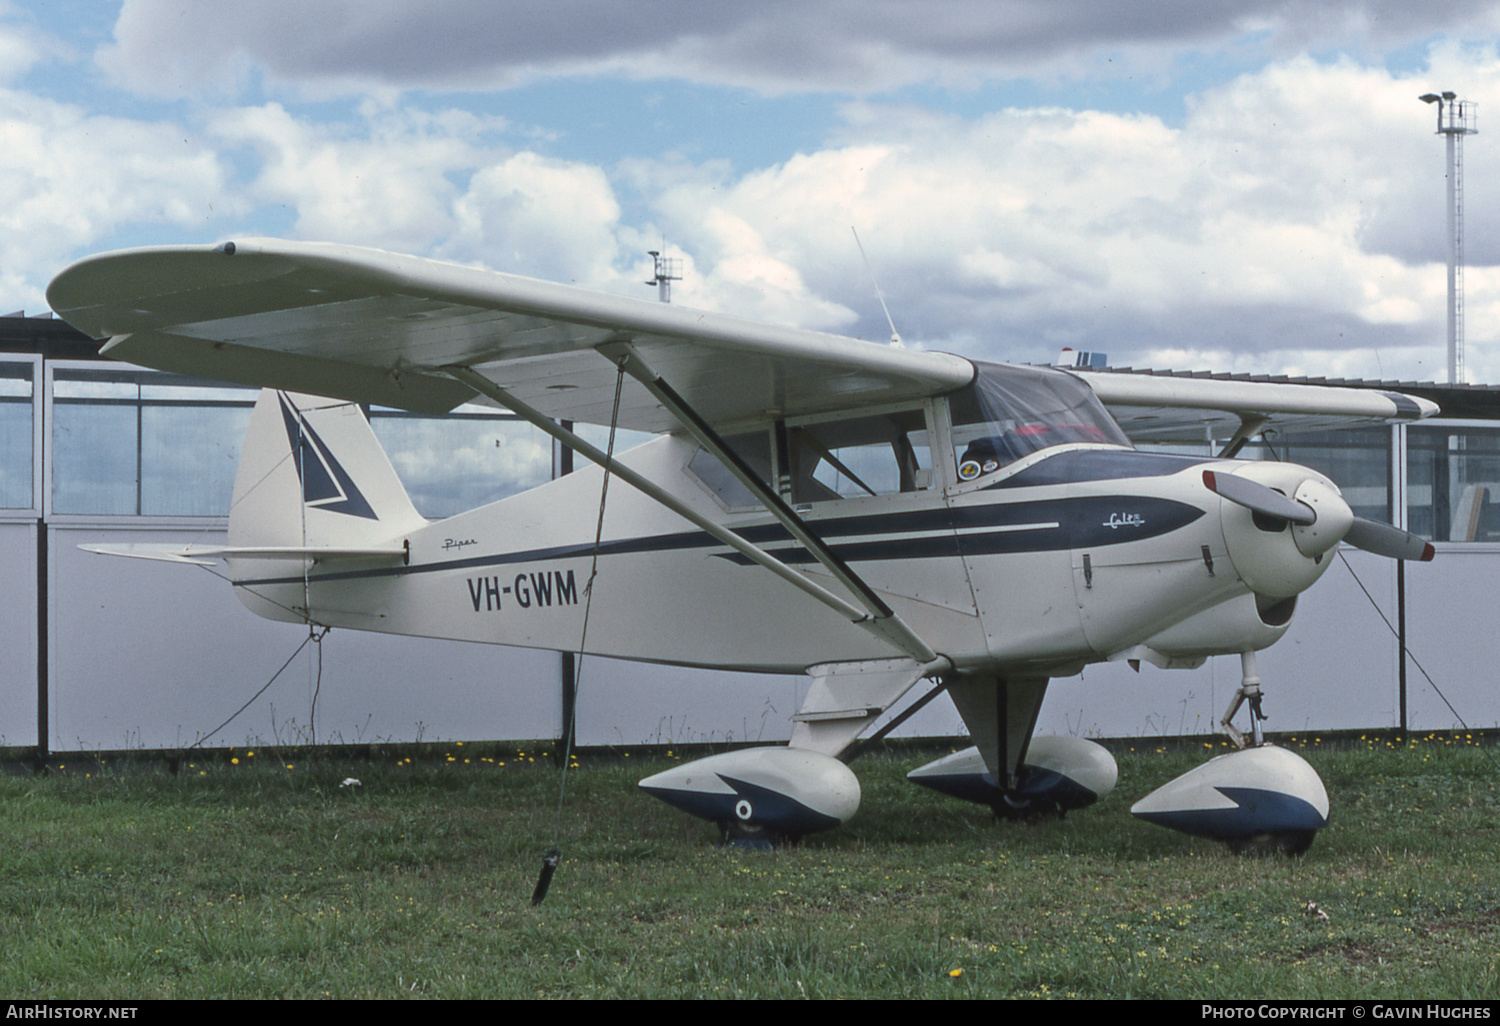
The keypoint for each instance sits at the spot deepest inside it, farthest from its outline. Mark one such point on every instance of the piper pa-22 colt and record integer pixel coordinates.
(868, 515)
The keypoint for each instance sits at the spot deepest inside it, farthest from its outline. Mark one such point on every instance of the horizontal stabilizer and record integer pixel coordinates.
(207, 555)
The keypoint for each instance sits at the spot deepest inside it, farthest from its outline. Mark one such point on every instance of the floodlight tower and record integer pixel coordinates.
(663, 275)
(1455, 119)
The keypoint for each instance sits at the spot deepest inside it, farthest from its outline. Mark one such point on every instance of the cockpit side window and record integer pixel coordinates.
(1012, 411)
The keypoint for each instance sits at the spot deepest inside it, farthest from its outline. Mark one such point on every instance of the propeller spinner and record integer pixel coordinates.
(1320, 518)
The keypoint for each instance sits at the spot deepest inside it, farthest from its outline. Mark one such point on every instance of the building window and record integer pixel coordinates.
(1358, 460)
(1453, 483)
(16, 456)
(134, 443)
(138, 443)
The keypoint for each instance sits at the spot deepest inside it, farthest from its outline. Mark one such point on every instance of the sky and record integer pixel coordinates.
(1244, 186)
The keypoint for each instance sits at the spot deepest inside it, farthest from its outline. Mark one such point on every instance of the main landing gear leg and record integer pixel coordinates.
(1249, 692)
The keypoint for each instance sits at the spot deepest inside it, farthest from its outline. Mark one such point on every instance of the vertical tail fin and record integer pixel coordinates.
(312, 473)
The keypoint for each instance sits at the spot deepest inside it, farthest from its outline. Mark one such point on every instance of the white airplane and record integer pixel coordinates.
(871, 516)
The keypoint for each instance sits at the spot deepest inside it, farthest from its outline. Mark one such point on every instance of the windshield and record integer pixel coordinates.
(1011, 411)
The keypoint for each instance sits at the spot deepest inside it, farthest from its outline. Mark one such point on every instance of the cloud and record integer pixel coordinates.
(776, 46)
(23, 45)
(1290, 218)
(69, 180)
(1263, 226)
(382, 179)
(441, 184)
(541, 217)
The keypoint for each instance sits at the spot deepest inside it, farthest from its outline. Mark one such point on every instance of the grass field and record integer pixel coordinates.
(264, 878)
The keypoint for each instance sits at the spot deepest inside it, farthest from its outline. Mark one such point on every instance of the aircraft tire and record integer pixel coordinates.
(745, 835)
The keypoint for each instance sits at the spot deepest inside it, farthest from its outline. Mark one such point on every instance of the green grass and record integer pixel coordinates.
(258, 880)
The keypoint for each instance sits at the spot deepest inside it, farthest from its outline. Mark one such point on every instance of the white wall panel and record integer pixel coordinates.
(149, 654)
(625, 703)
(18, 626)
(1453, 628)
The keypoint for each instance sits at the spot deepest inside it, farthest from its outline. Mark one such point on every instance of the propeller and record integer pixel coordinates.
(1258, 498)
(1303, 511)
(1388, 540)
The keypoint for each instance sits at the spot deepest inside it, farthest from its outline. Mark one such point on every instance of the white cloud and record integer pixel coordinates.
(1244, 231)
(1291, 219)
(538, 216)
(69, 180)
(24, 46)
(383, 181)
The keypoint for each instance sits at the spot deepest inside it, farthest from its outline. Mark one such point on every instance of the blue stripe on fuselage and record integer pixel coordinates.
(1089, 521)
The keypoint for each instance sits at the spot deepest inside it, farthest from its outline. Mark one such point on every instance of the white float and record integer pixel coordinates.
(787, 792)
(1262, 797)
(1058, 774)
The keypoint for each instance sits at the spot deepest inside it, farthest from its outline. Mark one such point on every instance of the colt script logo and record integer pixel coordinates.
(1125, 520)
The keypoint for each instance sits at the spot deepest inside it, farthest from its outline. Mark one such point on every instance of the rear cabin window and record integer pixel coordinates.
(879, 454)
(846, 459)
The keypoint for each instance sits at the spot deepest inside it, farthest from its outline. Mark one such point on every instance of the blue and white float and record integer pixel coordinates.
(1058, 774)
(769, 793)
(1263, 798)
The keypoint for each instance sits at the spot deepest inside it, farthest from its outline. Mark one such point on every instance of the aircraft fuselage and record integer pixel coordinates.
(1071, 555)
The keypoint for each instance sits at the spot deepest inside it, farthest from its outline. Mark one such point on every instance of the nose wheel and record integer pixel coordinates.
(1249, 693)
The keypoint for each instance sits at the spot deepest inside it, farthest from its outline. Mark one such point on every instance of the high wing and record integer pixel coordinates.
(369, 326)
(1170, 408)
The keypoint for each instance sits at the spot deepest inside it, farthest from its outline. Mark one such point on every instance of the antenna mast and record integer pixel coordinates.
(1455, 119)
(895, 336)
(664, 273)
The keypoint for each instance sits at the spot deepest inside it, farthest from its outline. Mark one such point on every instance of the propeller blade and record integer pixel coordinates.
(1385, 540)
(1258, 498)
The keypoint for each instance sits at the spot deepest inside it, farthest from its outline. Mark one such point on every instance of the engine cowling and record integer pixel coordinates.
(1244, 623)
(781, 792)
(1275, 558)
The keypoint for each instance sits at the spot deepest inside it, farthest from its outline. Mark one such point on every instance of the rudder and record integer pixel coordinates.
(313, 474)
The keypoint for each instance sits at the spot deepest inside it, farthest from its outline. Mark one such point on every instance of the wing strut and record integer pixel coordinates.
(1250, 426)
(882, 619)
(754, 553)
